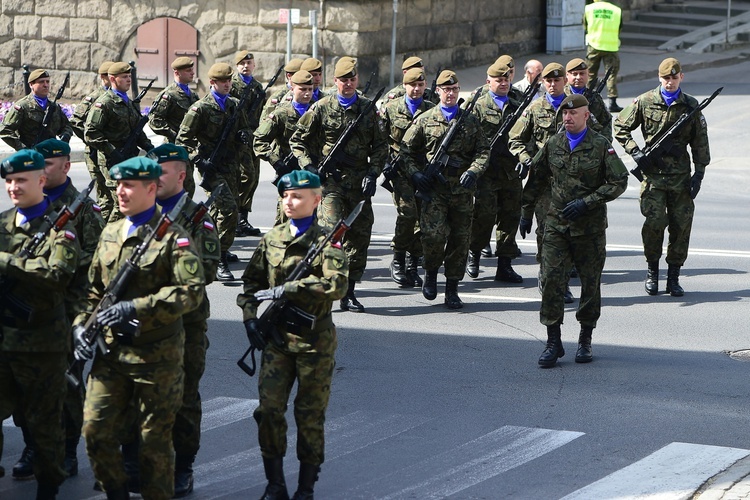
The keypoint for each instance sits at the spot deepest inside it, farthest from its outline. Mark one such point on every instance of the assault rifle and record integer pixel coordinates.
(116, 290)
(51, 107)
(367, 85)
(430, 93)
(194, 218)
(390, 171)
(328, 165)
(440, 159)
(281, 308)
(664, 143)
(261, 96)
(137, 99)
(289, 164)
(597, 85)
(512, 118)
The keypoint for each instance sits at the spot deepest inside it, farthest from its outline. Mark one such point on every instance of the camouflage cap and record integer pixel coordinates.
(576, 64)
(670, 66)
(137, 168)
(242, 55)
(220, 71)
(414, 75)
(104, 67)
(168, 152)
(302, 77)
(298, 179)
(118, 68)
(312, 64)
(507, 60)
(37, 74)
(24, 160)
(182, 63)
(293, 65)
(574, 101)
(447, 77)
(346, 67)
(553, 70)
(53, 148)
(412, 62)
(497, 70)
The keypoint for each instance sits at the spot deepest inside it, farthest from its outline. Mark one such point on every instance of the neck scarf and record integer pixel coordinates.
(221, 100)
(31, 213)
(300, 108)
(499, 100)
(449, 113)
(555, 101)
(669, 97)
(575, 139)
(298, 226)
(184, 88)
(54, 193)
(166, 205)
(576, 90)
(123, 95)
(246, 79)
(41, 101)
(140, 219)
(412, 104)
(347, 102)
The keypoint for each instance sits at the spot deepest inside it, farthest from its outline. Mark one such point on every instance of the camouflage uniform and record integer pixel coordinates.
(23, 122)
(249, 163)
(278, 97)
(601, 119)
(592, 172)
(108, 125)
(399, 91)
(33, 351)
(513, 92)
(78, 122)
(323, 124)
(147, 369)
(665, 191)
(308, 356)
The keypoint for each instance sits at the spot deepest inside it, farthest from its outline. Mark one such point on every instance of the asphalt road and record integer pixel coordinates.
(431, 403)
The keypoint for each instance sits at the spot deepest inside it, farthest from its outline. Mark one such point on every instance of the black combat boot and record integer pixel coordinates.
(308, 474)
(132, 466)
(652, 278)
(583, 354)
(24, 468)
(487, 251)
(276, 488)
(412, 270)
(232, 257)
(569, 298)
(242, 225)
(120, 493)
(429, 288)
(505, 271)
(71, 457)
(673, 282)
(222, 271)
(183, 475)
(554, 348)
(472, 264)
(452, 300)
(613, 107)
(350, 302)
(398, 270)
(46, 491)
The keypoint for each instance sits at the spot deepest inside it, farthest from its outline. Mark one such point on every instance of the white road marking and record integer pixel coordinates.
(221, 411)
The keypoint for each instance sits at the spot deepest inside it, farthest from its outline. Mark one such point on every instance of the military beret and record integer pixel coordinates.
(412, 62)
(497, 70)
(104, 67)
(182, 63)
(53, 148)
(553, 70)
(311, 64)
(37, 74)
(670, 66)
(136, 168)
(220, 71)
(298, 179)
(346, 67)
(242, 55)
(574, 101)
(24, 160)
(507, 60)
(168, 152)
(447, 77)
(576, 64)
(293, 65)
(118, 68)
(414, 75)
(302, 77)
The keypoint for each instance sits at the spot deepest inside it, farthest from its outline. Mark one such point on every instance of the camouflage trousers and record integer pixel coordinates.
(560, 251)
(109, 193)
(33, 384)
(186, 435)
(337, 203)
(497, 201)
(446, 229)
(313, 372)
(248, 178)
(594, 58)
(73, 406)
(407, 235)
(104, 196)
(224, 209)
(540, 213)
(666, 204)
(156, 391)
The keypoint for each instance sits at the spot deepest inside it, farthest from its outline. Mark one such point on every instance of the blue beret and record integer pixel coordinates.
(25, 160)
(298, 179)
(53, 148)
(137, 168)
(168, 152)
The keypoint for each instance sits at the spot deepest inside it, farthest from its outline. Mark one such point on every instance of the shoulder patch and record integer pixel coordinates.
(165, 97)
(270, 116)
(207, 225)
(274, 101)
(96, 207)
(611, 151)
(183, 242)
(70, 235)
(525, 113)
(88, 98)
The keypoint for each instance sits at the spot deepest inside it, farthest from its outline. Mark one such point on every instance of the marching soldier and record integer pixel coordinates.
(577, 74)
(307, 356)
(315, 68)
(110, 122)
(283, 93)
(36, 331)
(400, 90)
(144, 370)
(668, 189)
(585, 173)
(22, 125)
(503, 60)
(396, 117)
(445, 219)
(358, 165)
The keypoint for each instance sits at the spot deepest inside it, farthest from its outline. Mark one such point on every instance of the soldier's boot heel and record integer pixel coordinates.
(553, 350)
(350, 302)
(505, 271)
(276, 487)
(429, 289)
(652, 278)
(24, 468)
(673, 281)
(452, 300)
(308, 474)
(222, 270)
(584, 353)
(472, 264)
(412, 272)
(183, 475)
(398, 270)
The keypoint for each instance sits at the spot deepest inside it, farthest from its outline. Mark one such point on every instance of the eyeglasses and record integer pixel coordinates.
(451, 90)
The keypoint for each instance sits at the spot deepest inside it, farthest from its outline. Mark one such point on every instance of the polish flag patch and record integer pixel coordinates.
(70, 235)
(208, 225)
(336, 244)
(96, 207)
(611, 151)
(183, 242)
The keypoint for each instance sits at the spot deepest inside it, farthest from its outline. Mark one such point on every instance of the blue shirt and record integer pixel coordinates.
(140, 219)
(299, 226)
(499, 100)
(32, 212)
(168, 204)
(123, 95)
(412, 104)
(54, 193)
(300, 108)
(449, 113)
(41, 101)
(669, 97)
(556, 101)
(184, 88)
(346, 102)
(575, 139)
(221, 100)
(246, 79)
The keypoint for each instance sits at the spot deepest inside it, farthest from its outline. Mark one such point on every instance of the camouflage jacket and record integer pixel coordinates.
(110, 123)
(238, 87)
(78, 121)
(601, 119)
(23, 122)
(649, 112)
(39, 284)
(592, 172)
(321, 126)
(536, 125)
(501, 163)
(400, 91)
(513, 93)
(278, 97)
(395, 119)
(272, 136)
(276, 256)
(168, 284)
(169, 109)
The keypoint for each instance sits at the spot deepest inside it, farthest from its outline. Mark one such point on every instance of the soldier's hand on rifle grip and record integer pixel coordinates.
(468, 179)
(695, 184)
(254, 335)
(82, 351)
(313, 169)
(641, 159)
(420, 181)
(522, 169)
(369, 185)
(119, 314)
(524, 227)
(270, 294)
(65, 137)
(115, 158)
(244, 137)
(202, 165)
(280, 168)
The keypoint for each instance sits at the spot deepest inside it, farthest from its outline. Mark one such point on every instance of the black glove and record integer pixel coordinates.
(244, 137)
(202, 165)
(524, 227)
(695, 184)
(81, 349)
(280, 168)
(574, 209)
(115, 157)
(65, 137)
(369, 185)
(254, 335)
(421, 182)
(641, 159)
(522, 169)
(389, 171)
(312, 168)
(468, 179)
(270, 294)
(119, 314)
